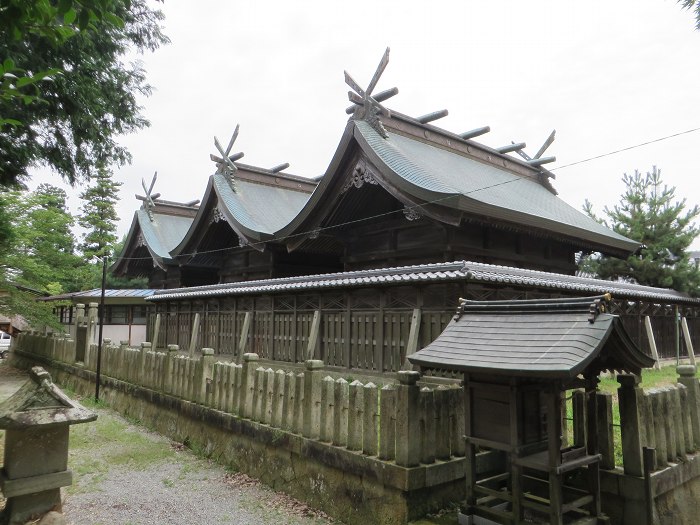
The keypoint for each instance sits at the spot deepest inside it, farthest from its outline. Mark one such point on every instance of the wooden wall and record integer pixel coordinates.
(367, 329)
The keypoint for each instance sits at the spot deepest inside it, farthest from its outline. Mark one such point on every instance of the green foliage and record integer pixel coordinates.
(648, 212)
(98, 215)
(39, 255)
(42, 255)
(53, 23)
(70, 123)
(692, 5)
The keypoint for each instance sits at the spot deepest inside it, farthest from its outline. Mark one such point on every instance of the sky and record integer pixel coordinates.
(606, 75)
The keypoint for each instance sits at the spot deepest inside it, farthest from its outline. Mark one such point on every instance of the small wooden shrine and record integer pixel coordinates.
(518, 358)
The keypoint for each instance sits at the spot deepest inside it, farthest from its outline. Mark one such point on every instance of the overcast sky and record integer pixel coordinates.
(606, 75)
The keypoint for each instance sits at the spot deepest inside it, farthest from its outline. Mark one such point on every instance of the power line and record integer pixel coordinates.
(626, 149)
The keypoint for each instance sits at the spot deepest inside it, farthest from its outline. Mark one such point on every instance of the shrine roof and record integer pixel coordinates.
(258, 203)
(262, 207)
(458, 271)
(432, 171)
(537, 338)
(158, 232)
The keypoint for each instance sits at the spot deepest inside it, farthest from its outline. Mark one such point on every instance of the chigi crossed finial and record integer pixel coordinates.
(149, 197)
(226, 163)
(368, 107)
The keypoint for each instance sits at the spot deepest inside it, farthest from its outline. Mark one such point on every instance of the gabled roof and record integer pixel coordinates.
(154, 235)
(438, 173)
(464, 271)
(260, 203)
(541, 338)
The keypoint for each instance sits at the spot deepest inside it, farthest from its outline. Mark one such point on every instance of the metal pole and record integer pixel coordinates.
(99, 336)
(678, 336)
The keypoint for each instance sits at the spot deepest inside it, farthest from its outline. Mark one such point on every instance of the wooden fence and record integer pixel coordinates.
(372, 329)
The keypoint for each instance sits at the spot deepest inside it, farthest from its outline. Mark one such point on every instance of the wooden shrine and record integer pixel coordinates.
(518, 358)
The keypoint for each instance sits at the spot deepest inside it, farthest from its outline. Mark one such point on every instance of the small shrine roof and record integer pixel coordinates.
(546, 338)
(40, 403)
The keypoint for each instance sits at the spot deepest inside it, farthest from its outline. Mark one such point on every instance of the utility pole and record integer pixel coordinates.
(102, 321)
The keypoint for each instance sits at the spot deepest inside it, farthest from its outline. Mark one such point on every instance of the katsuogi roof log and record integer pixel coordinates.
(553, 338)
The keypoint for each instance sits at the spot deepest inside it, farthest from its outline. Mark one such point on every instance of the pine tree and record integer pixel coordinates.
(98, 215)
(649, 212)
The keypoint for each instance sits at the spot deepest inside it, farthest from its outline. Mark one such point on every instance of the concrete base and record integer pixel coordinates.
(22, 509)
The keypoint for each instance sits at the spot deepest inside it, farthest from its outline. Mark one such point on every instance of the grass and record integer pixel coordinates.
(110, 442)
(651, 378)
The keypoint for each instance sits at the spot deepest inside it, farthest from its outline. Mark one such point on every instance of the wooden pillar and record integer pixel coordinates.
(688, 341)
(652, 342)
(379, 334)
(347, 333)
(516, 470)
(195, 333)
(591, 412)
(314, 336)
(554, 453)
(243, 341)
(156, 332)
(470, 452)
(413, 334)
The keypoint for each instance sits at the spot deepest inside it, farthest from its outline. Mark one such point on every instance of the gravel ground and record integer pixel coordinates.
(165, 483)
(162, 494)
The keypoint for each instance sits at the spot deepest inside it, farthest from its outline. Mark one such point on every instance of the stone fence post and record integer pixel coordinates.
(145, 347)
(687, 378)
(92, 324)
(630, 399)
(206, 367)
(407, 424)
(312, 398)
(247, 383)
(169, 367)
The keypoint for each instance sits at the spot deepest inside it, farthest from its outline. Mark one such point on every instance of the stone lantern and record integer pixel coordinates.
(36, 420)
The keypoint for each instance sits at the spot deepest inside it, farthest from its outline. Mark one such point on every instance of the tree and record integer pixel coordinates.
(74, 126)
(53, 21)
(649, 213)
(38, 255)
(692, 5)
(99, 216)
(41, 254)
